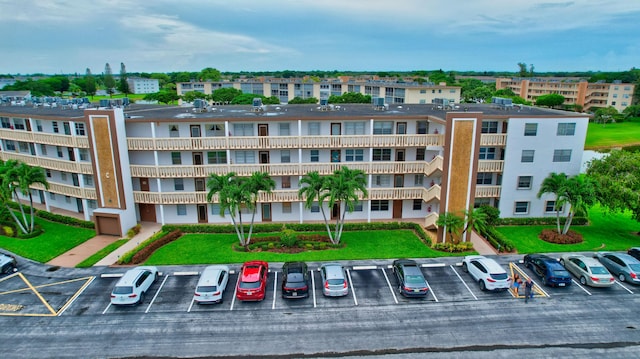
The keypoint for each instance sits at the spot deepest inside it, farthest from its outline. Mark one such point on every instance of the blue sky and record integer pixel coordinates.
(67, 36)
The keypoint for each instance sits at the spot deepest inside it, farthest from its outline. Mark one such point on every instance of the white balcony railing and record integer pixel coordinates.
(488, 191)
(49, 163)
(45, 138)
(490, 166)
(493, 139)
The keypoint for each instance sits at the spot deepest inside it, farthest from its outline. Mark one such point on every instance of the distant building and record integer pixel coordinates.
(6, 82)
(576, 92)
(393, 91)
(140, 85)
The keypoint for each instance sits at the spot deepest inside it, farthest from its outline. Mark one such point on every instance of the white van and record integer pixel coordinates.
(211, 284)
(131, 288)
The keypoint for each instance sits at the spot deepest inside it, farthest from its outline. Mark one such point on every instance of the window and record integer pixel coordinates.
(176, 158)
(181, 209)
(357, 207)
(382, 154)
(284, 129)
(566, 129)
(52, 195)
(245, 157)
(80, 129)
(39, 125)
(286, 182)
(24, 147)
(383, 128)
(315, 208)
(356, 155)
(521, 208)
(484, 178)
(420, 154)
(487, 153)
(314, 128)
(530, 129)
(490, 127)
(214, 130)
(379, 205)
(54, 124)
(382, 180)
(63, 176)
(18, 123)
(417, 204)
(6, 123)
(173, 131)
(92, 204)
(48, 172)
(422, 127)
(285, 156)
(354, 128)
(562, 156)
(178, 184)
(67, 199)
(243, 129)
(315, 156)
(59, 150)
(88, 180)
(524, 182)
(527, 156)
(550, 206)
(84, 154)
(419, 180)
(286, 207)
(217, 157)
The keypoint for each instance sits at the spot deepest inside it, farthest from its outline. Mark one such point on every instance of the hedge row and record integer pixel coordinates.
(498, 241)
(127, 258)
(72, 221)
(535, 221)
(148, 250)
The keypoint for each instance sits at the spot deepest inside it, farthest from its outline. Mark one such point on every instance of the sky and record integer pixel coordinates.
(69, 36)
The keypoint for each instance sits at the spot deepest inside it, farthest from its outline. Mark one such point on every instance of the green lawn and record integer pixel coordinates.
(56, 239)
(101, 254)
(613, 134)
(217, 248)
(616, 231)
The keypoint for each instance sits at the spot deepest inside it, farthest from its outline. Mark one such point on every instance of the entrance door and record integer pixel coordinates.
(72, 155)
(80, 206)
(398, 181)
(266, 212)
(400, 155)
(202, 213)
(263, 129)
(397, 208)
(195, 130)
(200, 184)
(335, 156)
(144, 184)
(336, 129)
(401, 128)
(335, 211)
(147, 212)
(264, 156)
(197, 158)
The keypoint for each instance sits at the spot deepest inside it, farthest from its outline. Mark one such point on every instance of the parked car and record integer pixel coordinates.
(411, 282)
(8, 264)
(252, 285)
(624, 266)
(134, 284)
(211, 285)
(487, 272)
(634, 252)
(588, 270)
(334, 282)
(295, 280)
(550, 271)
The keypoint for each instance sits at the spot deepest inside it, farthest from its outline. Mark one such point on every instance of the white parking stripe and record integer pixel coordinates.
(191, 305)
(107, 308)
(355, 300)
(275, 290)
(157, 292)
(111, 275)
(465, 284)
(364, 267)
(628, 290)
(235, 292)
(431, 290)
(313, 287)
(579, 286)
(390, 287)
(432, 265)
(176, 274)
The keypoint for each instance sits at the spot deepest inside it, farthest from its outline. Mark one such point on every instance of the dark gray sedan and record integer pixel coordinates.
(623, 266)
(411, 282)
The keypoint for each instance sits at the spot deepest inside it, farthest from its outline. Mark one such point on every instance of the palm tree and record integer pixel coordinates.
(580, 193)
(452, 224)
(19, 177)
(312, 185)
(7, 189)
(554, 184)
(476, 220)
(344, 187)
(258, 182)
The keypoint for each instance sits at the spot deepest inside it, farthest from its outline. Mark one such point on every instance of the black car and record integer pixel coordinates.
(295, 280)
(634, 252)
(8, 264)
(550, 271)
(411, 282)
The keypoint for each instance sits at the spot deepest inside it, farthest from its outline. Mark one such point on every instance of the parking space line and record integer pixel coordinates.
(313, 287)
(432, 265)
(75, 296)
(235, 292)
(111, 275)
(191, 305)
(579, 286)
(275, 290)
(431, 290)
(364, 267)
(628, 290)
(35, 291)
(107, 308)
(390, 287)
(536, 287)
(465, 284)
(157, 292)
(355, 300)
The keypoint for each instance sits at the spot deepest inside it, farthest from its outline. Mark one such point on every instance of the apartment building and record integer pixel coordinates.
(394, 92)
(139, 85)
(576, 92)
(150, 163)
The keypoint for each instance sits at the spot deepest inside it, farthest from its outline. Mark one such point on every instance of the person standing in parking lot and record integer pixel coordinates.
(516, 284)
(528, 290)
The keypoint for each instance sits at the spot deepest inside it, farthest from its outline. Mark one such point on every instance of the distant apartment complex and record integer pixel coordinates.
(151, 163)
(393, 92)
(141, 85)
(589, 95)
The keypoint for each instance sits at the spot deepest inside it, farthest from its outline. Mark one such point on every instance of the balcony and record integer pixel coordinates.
(281, 142)
(490, 166)
(49, 163)
(488, 191)
(493, 139)
(45, 138)
(66, 190)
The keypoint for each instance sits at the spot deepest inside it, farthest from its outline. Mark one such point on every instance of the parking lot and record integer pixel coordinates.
(369, 285)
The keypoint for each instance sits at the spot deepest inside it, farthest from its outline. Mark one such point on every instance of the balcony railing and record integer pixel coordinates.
(66, 190)
(488, 191)
(490, 166)
(281, 142)
(45, 138)
(286, 169)
(49, 163)
(493, 139)
(430, 220)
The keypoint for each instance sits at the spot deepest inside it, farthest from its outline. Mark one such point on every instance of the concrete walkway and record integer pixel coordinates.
(147, 230)
(481, 245)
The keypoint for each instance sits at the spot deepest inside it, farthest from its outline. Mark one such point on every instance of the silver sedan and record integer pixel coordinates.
(622, 265)
(588, 270)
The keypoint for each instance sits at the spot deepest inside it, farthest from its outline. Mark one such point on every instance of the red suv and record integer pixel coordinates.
(253, 281)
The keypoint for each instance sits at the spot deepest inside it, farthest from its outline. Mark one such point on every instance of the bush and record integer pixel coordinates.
(8, 231)
(547, 221)
(552, 236)
(127, 258)
(288, 237)
(497, 240)
(454, 247)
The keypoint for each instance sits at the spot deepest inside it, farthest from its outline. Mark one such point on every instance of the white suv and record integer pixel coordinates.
(487, 272)
(131, 288)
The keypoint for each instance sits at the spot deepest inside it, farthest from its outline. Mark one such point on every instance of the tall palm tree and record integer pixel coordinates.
(28, 176)
(312, 185)
(555, 184)
(344, 187)
(258, 182)
(7, 189)
(476, 220)
(580, 193)
(452, 224)
(229, 197)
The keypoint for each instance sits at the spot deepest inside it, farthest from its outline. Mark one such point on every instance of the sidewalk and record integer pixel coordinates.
(481, 246)
(78, 254)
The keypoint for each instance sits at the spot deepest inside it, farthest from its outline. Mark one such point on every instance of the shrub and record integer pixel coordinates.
(454, 247)
(8, 231)
(535, 221)
(552, 236)
(128, 257)
(288, 237)
(497, 240)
